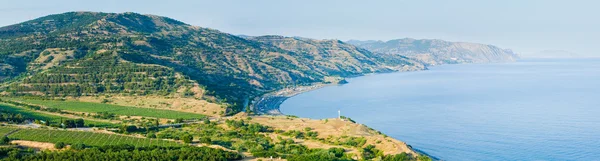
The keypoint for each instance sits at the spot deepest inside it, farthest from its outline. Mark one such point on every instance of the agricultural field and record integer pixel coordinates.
(28, 113)
(5, 130)
(89, 107)
(87, 138)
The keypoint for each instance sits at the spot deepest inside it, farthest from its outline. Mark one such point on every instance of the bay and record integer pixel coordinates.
(544, 109)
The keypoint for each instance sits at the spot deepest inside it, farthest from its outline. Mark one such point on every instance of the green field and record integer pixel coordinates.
(87, 138)
(42, 116)
(116, 109)
(5, 130)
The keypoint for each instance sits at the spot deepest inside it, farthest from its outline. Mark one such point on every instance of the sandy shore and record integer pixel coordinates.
(269, 103)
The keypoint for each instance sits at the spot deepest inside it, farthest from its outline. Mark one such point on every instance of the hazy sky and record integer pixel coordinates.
(523, 25)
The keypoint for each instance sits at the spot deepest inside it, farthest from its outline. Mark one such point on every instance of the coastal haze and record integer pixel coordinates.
(533, 109)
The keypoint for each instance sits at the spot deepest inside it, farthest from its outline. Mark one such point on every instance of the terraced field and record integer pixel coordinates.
(87, 138)
(5, 130)
(27, 113)
(116, 109)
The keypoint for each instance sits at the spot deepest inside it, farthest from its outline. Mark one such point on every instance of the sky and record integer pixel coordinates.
(526, 26)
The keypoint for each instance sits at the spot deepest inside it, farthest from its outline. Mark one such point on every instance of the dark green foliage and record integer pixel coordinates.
(294, 134)
(4, 140)
(205, 140)
(151, 135)
(301, 135)
(322, 155)
(105, 115)
(126, 152)
(248, 127)
(73, 123)
(13, 153)
(370, 152)
(347, 141)
(78, 146)
(59, 145)
(405, 157)
(338, 152)
(347, 119)
(128, 128)
(188, 138)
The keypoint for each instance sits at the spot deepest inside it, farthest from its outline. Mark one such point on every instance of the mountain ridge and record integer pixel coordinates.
(436, 51)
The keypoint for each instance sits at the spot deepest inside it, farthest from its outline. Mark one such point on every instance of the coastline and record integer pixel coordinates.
(268, 104)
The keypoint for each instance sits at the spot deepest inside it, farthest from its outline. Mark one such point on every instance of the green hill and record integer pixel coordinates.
(88, 54)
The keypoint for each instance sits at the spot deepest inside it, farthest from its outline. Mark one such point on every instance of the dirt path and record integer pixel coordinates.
(34, 144)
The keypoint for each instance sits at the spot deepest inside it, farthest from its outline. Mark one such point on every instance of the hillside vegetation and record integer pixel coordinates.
(79, 54)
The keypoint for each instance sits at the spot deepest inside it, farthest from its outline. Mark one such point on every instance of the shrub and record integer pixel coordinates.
(151, 135)
(188, 138)
(4, 140)
(78, 146)
(59, 145)
(205, 140)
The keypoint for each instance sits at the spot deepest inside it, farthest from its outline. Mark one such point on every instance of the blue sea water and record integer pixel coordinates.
(543, 109)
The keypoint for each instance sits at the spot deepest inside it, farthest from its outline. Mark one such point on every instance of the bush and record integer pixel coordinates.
(205, 140)
(151, 135)
(4, 140)
(188, 138)
(59, 145)
(78, 146)
(338, 152)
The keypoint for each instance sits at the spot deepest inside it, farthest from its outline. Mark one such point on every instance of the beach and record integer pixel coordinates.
(268, 104)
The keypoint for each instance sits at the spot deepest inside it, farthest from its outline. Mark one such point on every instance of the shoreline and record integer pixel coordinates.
(269, 103)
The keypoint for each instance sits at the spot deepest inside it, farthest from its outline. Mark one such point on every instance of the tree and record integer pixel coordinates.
(128, 128)
(5, 140)
(79, 122)
(59, 145)
(151, 135)
(370, 152)
(188, 138)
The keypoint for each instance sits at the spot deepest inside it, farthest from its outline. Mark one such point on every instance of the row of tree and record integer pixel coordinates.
(123, 152)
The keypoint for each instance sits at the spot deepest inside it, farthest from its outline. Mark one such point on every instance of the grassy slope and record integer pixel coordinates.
(42, 116)
(116, 109)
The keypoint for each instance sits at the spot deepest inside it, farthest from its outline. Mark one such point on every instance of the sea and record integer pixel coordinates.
(532, 109)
